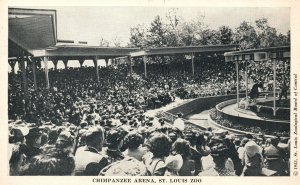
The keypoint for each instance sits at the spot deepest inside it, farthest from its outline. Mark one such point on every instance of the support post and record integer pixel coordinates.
(193, 65)
(46, 72)
(22, 65)
(130, 65)
(95, 60)
(246, 69)
(81, 61)
(106, 62)
(237, 83)
(274, 87)
(12, 65)
(33, 61)
(145, 65)
(65, 61)
(55, 61)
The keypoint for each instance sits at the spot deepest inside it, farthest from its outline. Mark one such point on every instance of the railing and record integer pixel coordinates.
(170, 118)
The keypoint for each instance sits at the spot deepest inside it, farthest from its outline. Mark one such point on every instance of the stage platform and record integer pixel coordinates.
(233, 110)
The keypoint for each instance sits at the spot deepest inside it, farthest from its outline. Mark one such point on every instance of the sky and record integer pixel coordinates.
(87, 23)
(91, 23)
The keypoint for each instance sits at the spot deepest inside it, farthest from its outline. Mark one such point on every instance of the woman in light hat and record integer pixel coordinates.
(173, 165)
(220, 154)
(252, 159)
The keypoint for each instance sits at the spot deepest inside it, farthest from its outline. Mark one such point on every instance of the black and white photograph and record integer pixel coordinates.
(170, 91)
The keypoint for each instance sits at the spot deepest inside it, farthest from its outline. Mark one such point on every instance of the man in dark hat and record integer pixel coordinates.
(88, 160)
(220, 153)
(114, 141)
(33, 142)
(274, 157)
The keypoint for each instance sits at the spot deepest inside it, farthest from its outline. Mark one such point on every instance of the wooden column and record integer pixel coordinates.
(55, 61)
(33, 60)
(237, 83)
(130, 65)
(193, 65)
(81, 61)
(106, 62)
(246, 69)
(65, 61)
(45, 59)
(274, 87)
(145, 65)
(12, 64)
(95, 60)
(22, 65)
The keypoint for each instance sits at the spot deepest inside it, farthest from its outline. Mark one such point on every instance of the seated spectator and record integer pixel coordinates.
(183, 148)
(88, 159)
(33, 142)
(273, 156)
(134, 141)
(50, 161)
(198, 151)
(173, 165)
(252, 159)
(114, 141)
(220, 154)
(159, 146)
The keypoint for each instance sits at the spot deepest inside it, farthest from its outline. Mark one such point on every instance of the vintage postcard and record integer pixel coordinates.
(157, 91)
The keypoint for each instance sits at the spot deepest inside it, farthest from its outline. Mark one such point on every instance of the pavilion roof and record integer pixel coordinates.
(261, 54)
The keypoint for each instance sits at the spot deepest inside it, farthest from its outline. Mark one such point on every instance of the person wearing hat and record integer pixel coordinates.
(88, 159)
(161, 121)
(252, 159)
(173, 164)
(179, 123)
(114, 141)
(220, 155)
(17, 146)
(50, 162)
(273, 156)
(199, 150)
(233, 155)
(241, 149)
(33, 142)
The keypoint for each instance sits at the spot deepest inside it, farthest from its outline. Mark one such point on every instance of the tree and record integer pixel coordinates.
(209, 37)
(245, 35)
(137, 36)
(225, 35)
(103, 42)
(156, 34)
(187, 34)
(173, 27)
(267, 35)
(116, 41)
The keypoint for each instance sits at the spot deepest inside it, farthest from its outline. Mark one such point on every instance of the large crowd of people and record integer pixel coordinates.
(84, 127)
